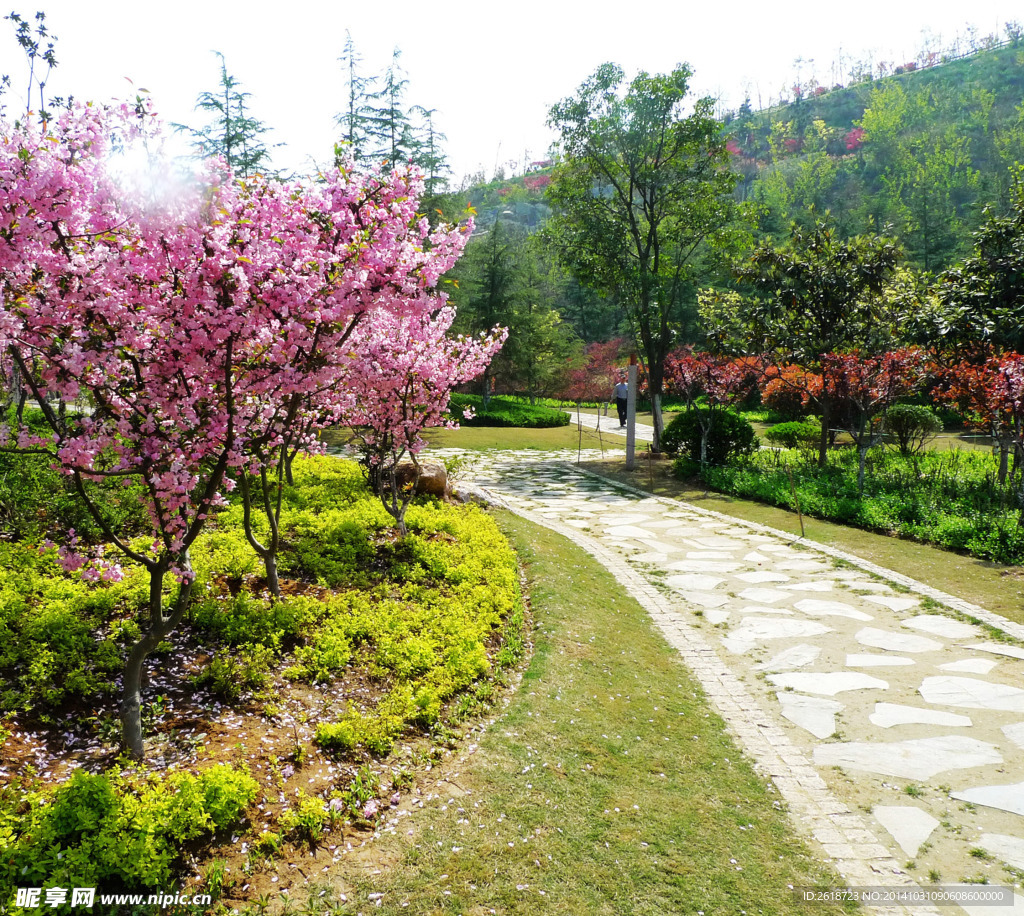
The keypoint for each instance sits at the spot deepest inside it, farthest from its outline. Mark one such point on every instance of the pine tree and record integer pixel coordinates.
(232, 133)
(358, 91)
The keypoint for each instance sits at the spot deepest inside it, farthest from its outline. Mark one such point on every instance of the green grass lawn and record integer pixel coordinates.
(606, 788)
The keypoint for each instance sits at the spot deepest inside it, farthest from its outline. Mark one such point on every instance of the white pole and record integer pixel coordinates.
(631, 419)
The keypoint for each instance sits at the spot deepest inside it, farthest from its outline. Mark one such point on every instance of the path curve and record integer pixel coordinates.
(891, 724)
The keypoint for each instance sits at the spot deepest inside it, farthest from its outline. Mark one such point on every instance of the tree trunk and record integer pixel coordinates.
(159, 627)
(270, 564)
(826, 423)
(862, 457)
(1004, 461)
(659, 424)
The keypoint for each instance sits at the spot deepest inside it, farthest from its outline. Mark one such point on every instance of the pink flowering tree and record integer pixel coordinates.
(194, 328)
(399, 380)
(366, 249)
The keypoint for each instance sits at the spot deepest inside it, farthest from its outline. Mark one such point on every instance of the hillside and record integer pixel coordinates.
(924, 149)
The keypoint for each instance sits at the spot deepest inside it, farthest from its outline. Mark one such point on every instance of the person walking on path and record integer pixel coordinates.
(620, 393)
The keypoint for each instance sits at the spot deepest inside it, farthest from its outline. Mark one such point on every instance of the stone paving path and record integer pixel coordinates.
(889, 716)
(609, 425)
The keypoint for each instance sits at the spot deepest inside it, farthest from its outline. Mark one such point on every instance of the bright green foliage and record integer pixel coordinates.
(729, 436)
(925, 151)
(951, 499)
(911, 425)
(48, 648)
(306, 821)
(505, 412)
(795, 434)
(112, 832)
(982, 299)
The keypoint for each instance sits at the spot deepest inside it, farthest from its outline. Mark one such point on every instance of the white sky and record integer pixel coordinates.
(492, 72)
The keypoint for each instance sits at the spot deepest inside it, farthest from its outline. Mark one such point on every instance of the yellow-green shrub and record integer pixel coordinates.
(109, 831)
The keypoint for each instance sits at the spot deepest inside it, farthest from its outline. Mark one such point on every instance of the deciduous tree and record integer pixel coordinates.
(816, 295)
(640, 191)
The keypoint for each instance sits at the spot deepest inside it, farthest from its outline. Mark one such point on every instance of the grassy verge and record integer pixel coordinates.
(497, 438)
(501, 438)
(994, 586)
(607, 787)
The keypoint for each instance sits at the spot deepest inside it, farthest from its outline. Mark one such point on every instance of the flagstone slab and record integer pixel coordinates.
(998, 648)
(909, 825)
(869, 586)
(694, 581)
(799, 656)
(828, 683)
(869, 660)
(1009, 849)
(779, 549)
(815, 714)
(819, 608)
(893, 602)
(971, 666)
(717, 616)
(755, 630)
(716, 542)
(821, 586)
(764, 595)
(681, 531)
(707, 599)
(703, 566)
(756, 578)
(937, 625)
(893, 641)
(757, 609)
(1005, 798)
(653, 558)
(804, 566)
(1015, 733)
(755, 557)
(888, 715)
(625, 519)
(919, 758)
(628, 531)
(659, 546)
(970, 693)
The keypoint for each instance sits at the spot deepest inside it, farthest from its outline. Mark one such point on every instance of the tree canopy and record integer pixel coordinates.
(640, 192)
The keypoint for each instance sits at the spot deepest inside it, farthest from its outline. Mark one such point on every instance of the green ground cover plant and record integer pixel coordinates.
(949, 498)
(375, 639)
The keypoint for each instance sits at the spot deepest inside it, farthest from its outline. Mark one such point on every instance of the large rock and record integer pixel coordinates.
(432, 479)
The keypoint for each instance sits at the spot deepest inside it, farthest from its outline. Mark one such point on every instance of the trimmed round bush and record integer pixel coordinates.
(802, 434)
(730, 436)
(911, 425)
